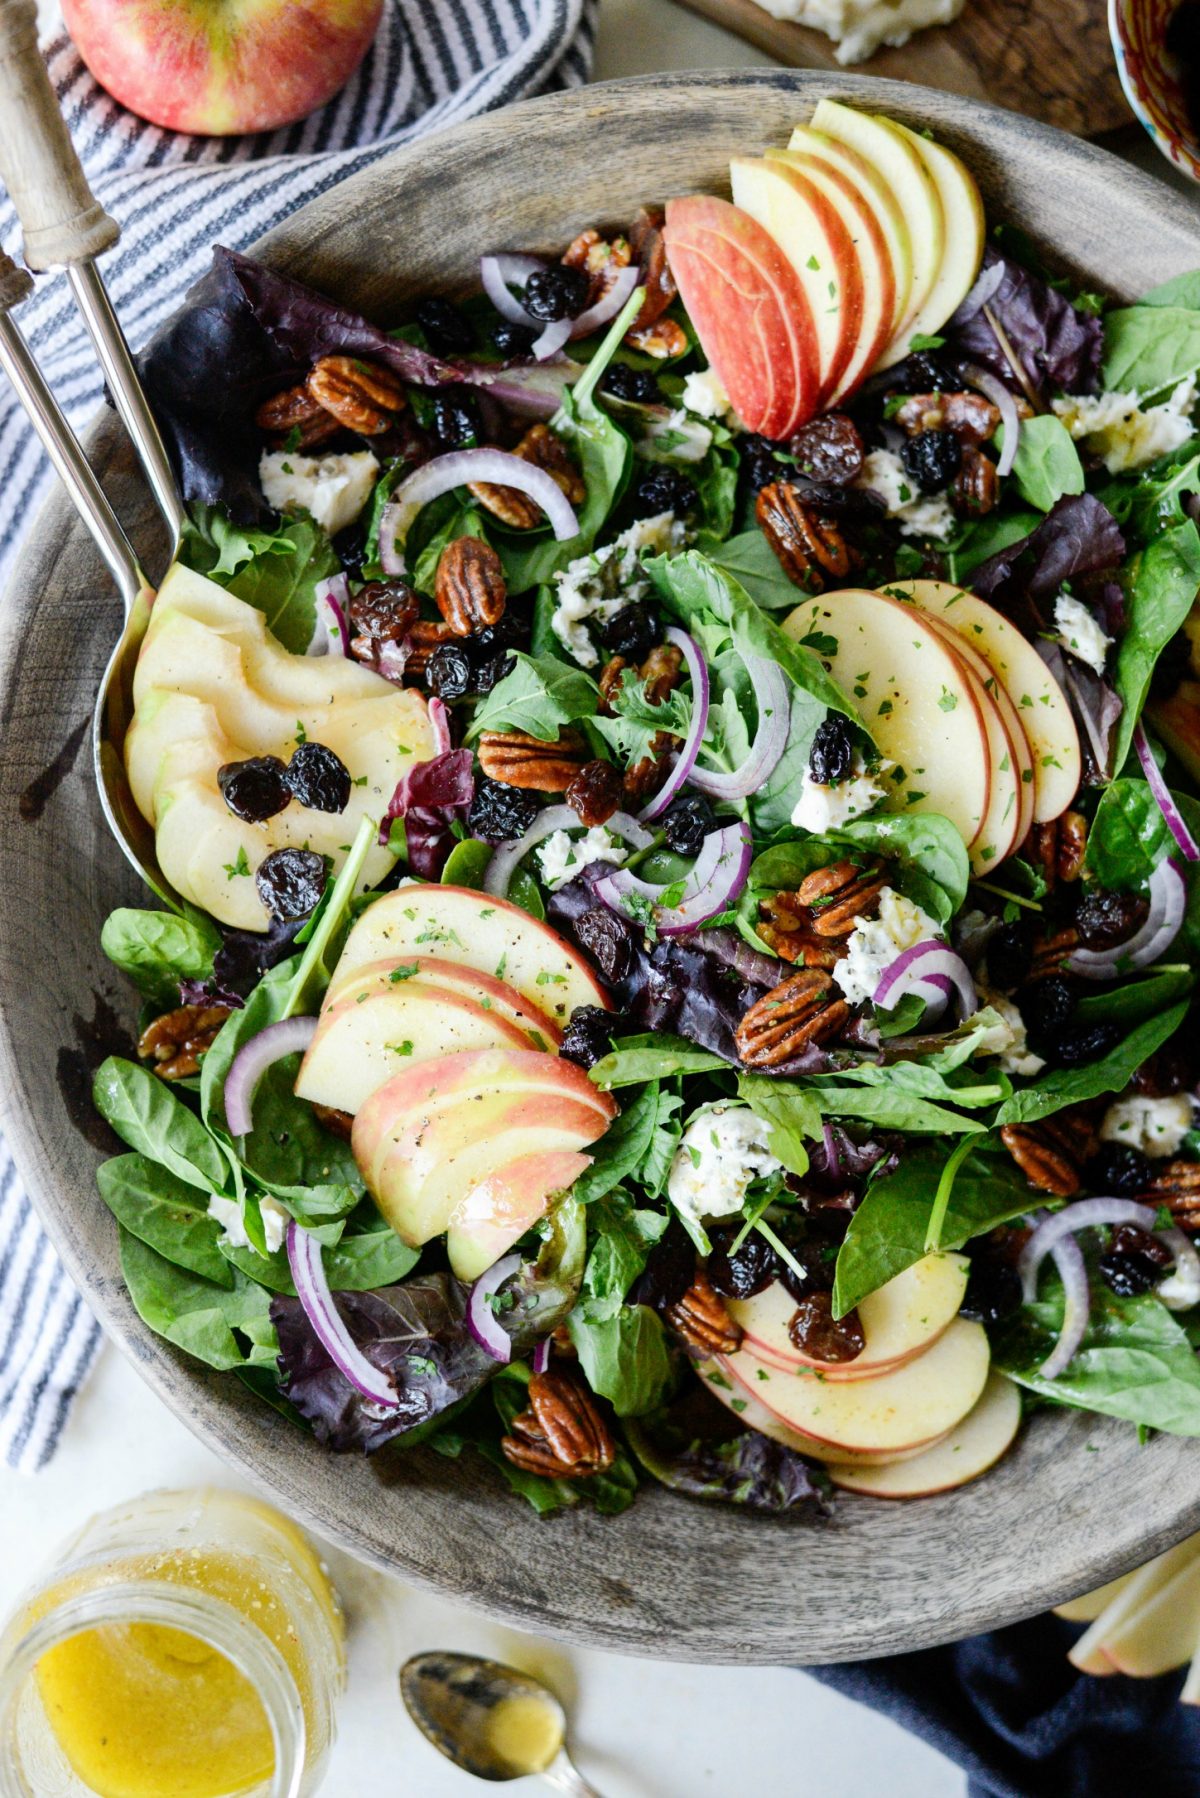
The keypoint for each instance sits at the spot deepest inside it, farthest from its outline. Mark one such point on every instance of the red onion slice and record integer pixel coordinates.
(551, 339)
(770, 739)
(498, 467)
(505, 858)
(609, 303)
(977, 298)
(1082, 1215)
(715, 881)
(932, 971)
(1172, 817)
(251, 1063)
(1168, 903)
(331, 633)
(993, 388)
(685, 761)
(499, 275)
(541, 1356)
(439, 723)
(312, 1289)
(482, 1321)
(1077, 1306)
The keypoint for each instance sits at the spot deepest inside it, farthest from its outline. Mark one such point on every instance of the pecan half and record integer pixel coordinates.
(1176, 1184)
(975, 489)
(649, 246)
(610, 683)
(360, 395)
(971, 417)
(645, 777)
(600, 258)
(1051, 1153)
(809, 548)
(1050, 952)
(176, 1041)
(662, 340)
(595, 793)
(1057, 849)
(295, 409)
(837, 896)
(520, 760)
(562, 1434)
(804, 1008)
(793, 941)
(701, 1319)
(338, 1123)
(543, 449)
(470, 588)
(661, 672)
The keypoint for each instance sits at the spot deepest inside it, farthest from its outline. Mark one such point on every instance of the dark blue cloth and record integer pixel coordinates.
(1013, 1713)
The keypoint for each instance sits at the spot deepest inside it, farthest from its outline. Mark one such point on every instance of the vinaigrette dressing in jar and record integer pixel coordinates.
(186, 1645)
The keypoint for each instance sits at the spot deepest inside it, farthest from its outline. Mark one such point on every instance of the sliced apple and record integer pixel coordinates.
(474, 930)
(809, 228)
(899, 1321)
(906, 1407)
(1138, 1591)
(1041, 703)
(892, 155)
(485, 1224)
(538, 1027)
(755, 1416)
(749, 310)
(1163, 1632)
(1087, 1607)
(1000, 832)
(915, 697)
(877, 194)
(974, 1445)
(965, 231)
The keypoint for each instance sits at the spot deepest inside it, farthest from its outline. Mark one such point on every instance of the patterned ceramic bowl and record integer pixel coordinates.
(1151, 78)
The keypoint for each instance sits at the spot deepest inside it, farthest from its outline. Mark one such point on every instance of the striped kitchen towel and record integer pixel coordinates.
(434, 63)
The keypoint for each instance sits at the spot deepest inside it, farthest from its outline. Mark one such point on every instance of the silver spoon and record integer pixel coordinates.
(456, 1702)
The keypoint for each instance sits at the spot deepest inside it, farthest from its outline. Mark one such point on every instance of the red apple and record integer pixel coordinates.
(219, 67)
(750, 312)
(496, 1213)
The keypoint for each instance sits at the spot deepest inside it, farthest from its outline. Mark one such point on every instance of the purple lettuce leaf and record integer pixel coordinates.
(431, 798)
(744, 1469)
(1077, 537)
(1095, 706)
(1058, 347)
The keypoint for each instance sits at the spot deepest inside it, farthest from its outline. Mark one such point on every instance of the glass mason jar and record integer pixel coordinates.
(183, 1645)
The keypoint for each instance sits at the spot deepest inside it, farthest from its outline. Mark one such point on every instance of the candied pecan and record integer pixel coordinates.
(839, 895)
(829, 449)
(794, 942)
(610, 683)
(662, 339)
(1051, 1153)
(808, 547)
(544, 450)
(804, 1008)
(975, 489)
(971, 417)
(701, 1319)
(599, 258)
(176, 1040)
(295, 409)
(661, 672)
(596, 792)
(469, 587)
(562, 1434)
(1056, 849)
(645, 777)
(420, 641)
(1176, 1184)
(1050, 952)
(338, 1123)
(360, 395)
(649, 246)
(520, 760)
(815, 1331)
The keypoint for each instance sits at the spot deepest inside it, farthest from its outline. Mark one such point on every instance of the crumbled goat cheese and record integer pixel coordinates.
(821, 808)
(859, 27)
(723, 1149)
(596, 586)
(1155, 1126)
(1007, 1038)
(231, 1216)
(1079, 632)
(875, 943)
(704, 394)
(676, 438)
(332, 489)
(918, 514)
(1180, 1290)
(563, 857)
(1114, 427)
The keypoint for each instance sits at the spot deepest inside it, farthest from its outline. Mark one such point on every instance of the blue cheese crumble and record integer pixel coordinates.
(1122, 433)
(724, 1149)
(821, 808)
(918, 514)
(231, 1216)
(1079, 632)
(874, 944)
(592, 588)
(331, 489)
(1155, 1126)
(562, 857)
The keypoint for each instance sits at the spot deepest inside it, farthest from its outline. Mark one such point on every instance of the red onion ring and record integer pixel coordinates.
(1002, 397)
(439, 723)
(1168, 903)
(312, 1289)
(331, 633)
(498, 467)
(770, 738)
(932, 971)
(978, 296)
(499, 275)
(541, 1356)
(482, 1321)
(697, 669)
(719, 874)
(251, 1063)
(1172, 817)
(1077, 1307)
(609, 303)
(506, 856)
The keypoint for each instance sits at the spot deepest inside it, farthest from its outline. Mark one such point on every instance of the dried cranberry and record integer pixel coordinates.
(759, 461)
(587, 1038)
(1128, 1239)
(816, 1332)
(1128, 1275)
(747, 1270)
(509, 632)
(256, 789)
(993, 1288)
(556, 292)
(1010, 954)
(448, 672)
(687, 822)
(319, 778)
(832, 754)
(1173, 666)
(447, 330)
(829, 449)
(290, 882)
(350, 547)
(456, 420)
(932, 459)
(816, 1275)
(1105, 920)
(923, 373)
(500, 813)
(1048, 1006)
(610, 940)
(385, 610)
(637, 384)
(669, 1271)
(488, 669)
(1080, 1044)
(664, 490)
(632, 632)
(1119, 1169)
(595, 793)
(512, 339)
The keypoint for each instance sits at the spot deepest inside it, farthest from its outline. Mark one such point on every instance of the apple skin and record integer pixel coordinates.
(219, 67)
(485, 1224)
(750, 312)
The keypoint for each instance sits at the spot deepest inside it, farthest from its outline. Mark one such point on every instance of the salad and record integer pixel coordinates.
(677, 782)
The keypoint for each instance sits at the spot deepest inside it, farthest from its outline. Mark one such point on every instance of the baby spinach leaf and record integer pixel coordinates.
(1136, 999)
(891, 1106)
(1180, 290)
(158, 949)
(352, 1264)
(623, 1147)
(1161, 587)
(1068, 1086)
(621, 1347)
(540, 696)
(198, 1315)
(983, 538)
(436, 526)
(1154, 497)
(926, 852)
(467, 864)
(655, 1056)
(1047, 464)
(280, 579)
(1128, 837)
(792, 1115)
(146, 1114)
(927, 1082)
(1149, 350)
(749, 559)
(165, 1213)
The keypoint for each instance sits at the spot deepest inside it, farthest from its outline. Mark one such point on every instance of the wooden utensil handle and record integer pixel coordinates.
(61, 219)
(16, 284)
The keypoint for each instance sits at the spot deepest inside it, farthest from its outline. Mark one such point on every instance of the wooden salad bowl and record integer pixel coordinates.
(1078, 1500)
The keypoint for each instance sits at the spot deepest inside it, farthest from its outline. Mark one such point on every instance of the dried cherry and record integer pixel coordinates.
(256, 789)
(500, 813)
(596, 792)
(290, 882)
(319, 778)
(1105, 920)
(448, 332)
(932, 459)
(740, 1273)
(687, 822)
(556, 292)
(587, 1038)
(831, 756)
(829, 449)
(816, 1332)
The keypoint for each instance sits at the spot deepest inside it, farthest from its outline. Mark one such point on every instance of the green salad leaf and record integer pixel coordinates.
(1110, 1074)
(275, 571)
(655, 1056)
(539, 696)
(1047, 464)
(924, 849)
(749, 559)
(224, 1325)
(621, 1347)
(630, 1143)
(1161, 587)
(146, 1114)
(158, 949)
(1149, 350)
(164, 1212)
(636, 720)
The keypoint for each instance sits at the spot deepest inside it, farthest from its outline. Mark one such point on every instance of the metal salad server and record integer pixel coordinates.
(453, 1700)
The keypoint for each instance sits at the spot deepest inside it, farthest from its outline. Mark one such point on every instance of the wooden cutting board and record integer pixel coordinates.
(1051, 59)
